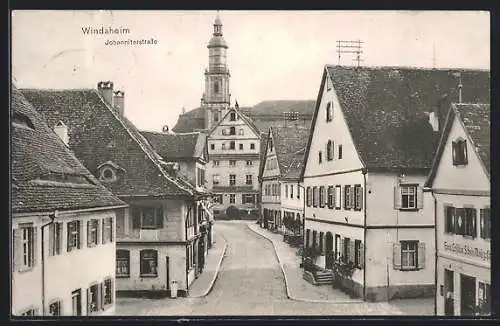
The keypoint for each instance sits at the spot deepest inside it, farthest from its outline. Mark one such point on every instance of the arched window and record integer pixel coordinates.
(122, 263)
(149, 263)
(216, 87)
(232, 131)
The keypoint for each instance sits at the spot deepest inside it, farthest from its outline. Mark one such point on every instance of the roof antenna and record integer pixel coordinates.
(350, 47)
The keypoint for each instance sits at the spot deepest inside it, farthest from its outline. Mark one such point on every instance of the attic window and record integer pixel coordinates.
(21, 120)
(109, 171)
(232, 116)
(107, 174)
(459, 152)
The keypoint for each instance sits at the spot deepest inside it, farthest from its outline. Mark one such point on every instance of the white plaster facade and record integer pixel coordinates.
(64, 272)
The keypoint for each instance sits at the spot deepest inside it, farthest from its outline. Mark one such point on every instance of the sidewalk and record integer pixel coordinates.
(296, 287)
(204, 283)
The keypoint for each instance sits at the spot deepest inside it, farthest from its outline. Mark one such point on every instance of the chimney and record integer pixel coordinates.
(105, 88)
(119, 101)
(61, 130)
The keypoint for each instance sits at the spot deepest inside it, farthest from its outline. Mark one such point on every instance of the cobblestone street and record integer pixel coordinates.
(250, 282)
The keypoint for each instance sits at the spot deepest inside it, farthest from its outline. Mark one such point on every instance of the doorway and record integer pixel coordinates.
(467, 295)
(449, 294)
(329, 258)
(167, 271)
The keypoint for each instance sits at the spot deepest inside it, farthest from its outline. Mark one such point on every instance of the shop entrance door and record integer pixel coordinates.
(449, 296)
(467, 295)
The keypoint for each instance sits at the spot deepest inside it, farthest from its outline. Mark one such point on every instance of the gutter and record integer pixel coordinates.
(435, 255)
(364, 234)
(52, 217)
(59, 213)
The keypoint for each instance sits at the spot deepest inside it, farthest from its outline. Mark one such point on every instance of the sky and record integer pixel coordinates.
(272, 55)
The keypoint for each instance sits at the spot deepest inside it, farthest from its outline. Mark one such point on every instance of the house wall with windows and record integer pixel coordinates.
(146, 240)
(94, 282)
(292, 200)
(463, 228)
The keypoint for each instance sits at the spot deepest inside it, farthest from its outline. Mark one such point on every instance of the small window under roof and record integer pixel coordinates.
(20, 119)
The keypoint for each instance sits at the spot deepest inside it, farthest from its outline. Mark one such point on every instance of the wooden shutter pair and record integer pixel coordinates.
(322, 196)
(398, 200)
(397, 253)
(358, 193)
(352, 250)
(361, 258)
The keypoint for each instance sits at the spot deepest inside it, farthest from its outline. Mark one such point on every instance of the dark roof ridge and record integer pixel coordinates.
(405, 67)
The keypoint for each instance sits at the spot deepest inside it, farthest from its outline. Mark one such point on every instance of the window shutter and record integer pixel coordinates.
(52, 231)
(361, 255)
(112, 228)
(481, 224)
(346, 189)
(79, 227)
(341, 249)
(397, 197)
(352, 249)
(334, 199)
(17, 248)
(464, 144)
(59, 239)
(420, 197)
(88, 301)
(360, 190)
(474, 224)
(103, 233)
(98, 231)
(159, 217)
(35, 245)
(454, 152)
(101, 296)
(68, 237)
(396, 255)
(89, 237)
(421, 255)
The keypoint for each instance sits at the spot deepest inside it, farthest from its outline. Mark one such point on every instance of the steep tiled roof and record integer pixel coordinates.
(176, 146)
(289, 144)
(98, 134)
(46, 175)
(476, 119)
(263, 115)
(386, 109)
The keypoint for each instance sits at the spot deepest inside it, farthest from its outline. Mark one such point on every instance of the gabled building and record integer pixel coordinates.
(460, 184)
(188, 152)
(155, 238)
(63, 225)
(234, 148)
(282, 192)
(374, 134)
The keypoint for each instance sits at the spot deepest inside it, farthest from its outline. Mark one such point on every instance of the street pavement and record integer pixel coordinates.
(250, 282)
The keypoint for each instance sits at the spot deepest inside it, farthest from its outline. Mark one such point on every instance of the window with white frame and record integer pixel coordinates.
(148, 263)
(108, 292)
(249, 180)
(338, 196)
(107, 230)
(408, 196)
(232, 163)
(241, 146)
(55, 238)
(409, 255)
(232, 145)
(74, 231)
(147, 217)
(315, 197)
(242, 132)
(252, 146)
(92, 232)
(122, 263)
(322, 196)
(218, 199)
(232, 198)
(232, 179)
(291, 191)
(93, 299)
(24, 247)
(359, 255)
(347, 197)
(330, 196)
(55, 308)
(308, 197)
(216, 179)
(249, 163)
(329, 150)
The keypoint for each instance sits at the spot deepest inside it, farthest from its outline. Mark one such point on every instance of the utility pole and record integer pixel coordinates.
(350, 47)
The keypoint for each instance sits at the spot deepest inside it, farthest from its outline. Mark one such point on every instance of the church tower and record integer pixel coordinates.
(216, 98)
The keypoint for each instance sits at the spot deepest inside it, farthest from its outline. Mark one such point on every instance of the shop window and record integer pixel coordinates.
(484, 298)
(149, 263)
(122, 263)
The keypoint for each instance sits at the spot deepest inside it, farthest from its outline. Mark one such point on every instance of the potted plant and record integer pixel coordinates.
(342, 270)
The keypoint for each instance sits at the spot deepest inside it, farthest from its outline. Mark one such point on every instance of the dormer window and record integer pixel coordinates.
(109, 171)
(459, 152)
(232, 116)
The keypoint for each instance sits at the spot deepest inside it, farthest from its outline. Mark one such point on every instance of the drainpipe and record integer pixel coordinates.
(52, 217)
(435, 255)
(364, 235)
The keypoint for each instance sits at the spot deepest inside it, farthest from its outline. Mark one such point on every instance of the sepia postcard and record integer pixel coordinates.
(250, 163)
